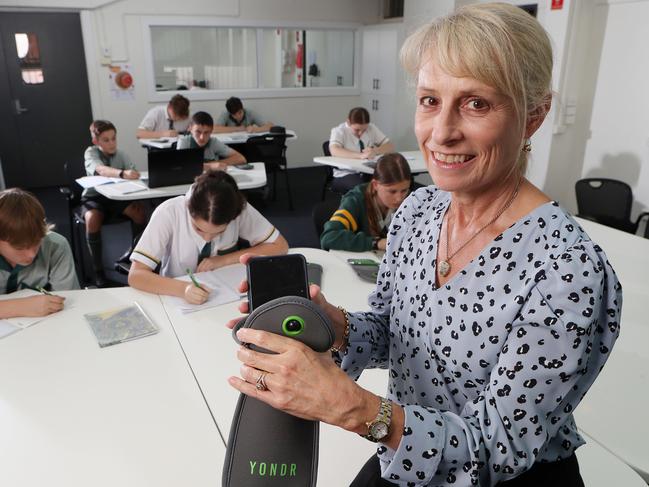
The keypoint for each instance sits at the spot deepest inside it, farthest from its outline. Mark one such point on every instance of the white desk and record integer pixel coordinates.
(246, 179)
(74, 415)
(227, 138)
(415, 161)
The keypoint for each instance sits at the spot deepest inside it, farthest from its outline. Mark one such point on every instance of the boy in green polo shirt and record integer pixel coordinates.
(103, 158)
(31, 257)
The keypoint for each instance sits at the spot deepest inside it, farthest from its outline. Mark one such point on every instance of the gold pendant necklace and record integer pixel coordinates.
(444, 266)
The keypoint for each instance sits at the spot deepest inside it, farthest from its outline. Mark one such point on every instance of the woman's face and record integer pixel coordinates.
(392, 195)
(206, 230)
(467, 131)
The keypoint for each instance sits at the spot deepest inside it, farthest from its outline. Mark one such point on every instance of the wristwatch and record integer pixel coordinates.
(121, 174)
(375, 243)
(379, 427)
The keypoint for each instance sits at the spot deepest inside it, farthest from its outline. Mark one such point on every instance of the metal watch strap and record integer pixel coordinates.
(384, 416)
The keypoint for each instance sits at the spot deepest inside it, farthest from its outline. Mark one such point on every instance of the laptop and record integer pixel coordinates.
(174, 167)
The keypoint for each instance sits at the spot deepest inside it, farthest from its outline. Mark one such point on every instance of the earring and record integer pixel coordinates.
(527, 146)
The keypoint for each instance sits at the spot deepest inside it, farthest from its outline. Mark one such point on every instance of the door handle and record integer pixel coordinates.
(19, 108)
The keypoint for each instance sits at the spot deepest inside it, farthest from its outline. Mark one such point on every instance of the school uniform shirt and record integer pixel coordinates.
(94, 157)
(157, 120)
(490, 366)
(52, 268)
(171, 242)
(212, 151)
(249, 118)
(343, 136)
(349, 227)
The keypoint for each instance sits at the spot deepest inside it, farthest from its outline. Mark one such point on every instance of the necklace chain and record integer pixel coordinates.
(445, 265)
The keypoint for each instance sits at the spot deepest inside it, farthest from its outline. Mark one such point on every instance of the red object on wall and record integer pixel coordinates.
(556, 5)
(124, 80)
(299, 56)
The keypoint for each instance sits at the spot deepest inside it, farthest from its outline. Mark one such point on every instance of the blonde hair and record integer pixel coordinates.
(22, 218)
(497, 44)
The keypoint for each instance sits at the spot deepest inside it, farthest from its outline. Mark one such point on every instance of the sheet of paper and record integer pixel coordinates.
(220, 293)
(7, 328)
(128, 187)
(92, 181)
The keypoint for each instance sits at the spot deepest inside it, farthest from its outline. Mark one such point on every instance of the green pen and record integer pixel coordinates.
(191, 276)
(41, 289)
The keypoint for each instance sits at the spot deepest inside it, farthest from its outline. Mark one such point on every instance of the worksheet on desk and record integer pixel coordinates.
(223, 284)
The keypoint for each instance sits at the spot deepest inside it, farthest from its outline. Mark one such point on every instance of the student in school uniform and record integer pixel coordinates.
(356, 138)
(216, 155)
(199, 231)
(236, 119)
(103, 158)
(362, 220)
(31, 257)
(165, 120)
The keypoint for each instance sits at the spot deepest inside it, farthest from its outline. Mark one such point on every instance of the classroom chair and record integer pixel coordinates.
(271, 150)
(607, 201)
(72, 192)
(322, 212)
(329, 171)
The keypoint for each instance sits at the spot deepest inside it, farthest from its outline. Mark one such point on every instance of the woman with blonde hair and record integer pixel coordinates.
(493, 310)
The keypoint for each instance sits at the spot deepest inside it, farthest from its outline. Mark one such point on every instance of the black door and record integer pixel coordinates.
(44, 100)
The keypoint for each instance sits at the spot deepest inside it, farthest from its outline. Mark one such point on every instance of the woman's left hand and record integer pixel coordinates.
(301, 382)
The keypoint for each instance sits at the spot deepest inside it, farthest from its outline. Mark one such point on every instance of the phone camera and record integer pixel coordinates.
(293, 325)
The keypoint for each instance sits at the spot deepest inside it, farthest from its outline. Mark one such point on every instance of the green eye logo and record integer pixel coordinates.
(292, 325)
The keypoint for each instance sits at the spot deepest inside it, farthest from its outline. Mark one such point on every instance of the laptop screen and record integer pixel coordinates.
(174, 167)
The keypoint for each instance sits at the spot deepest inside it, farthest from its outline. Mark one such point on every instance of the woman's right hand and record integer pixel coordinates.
(42, 305)
(131, 174)
(196, 295)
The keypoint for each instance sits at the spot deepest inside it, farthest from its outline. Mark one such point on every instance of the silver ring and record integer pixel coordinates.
(261, 382)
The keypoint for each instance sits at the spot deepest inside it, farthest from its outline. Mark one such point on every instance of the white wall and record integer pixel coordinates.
(618, 146)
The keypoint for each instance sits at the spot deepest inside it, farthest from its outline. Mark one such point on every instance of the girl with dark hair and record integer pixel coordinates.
(356, 138)
(362, 220)
(199, 231)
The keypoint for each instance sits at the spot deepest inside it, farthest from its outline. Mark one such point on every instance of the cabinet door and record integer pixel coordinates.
(388, 61)
(370, 60)
(381, 108)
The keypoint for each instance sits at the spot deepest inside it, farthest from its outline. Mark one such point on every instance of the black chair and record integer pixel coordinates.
(271, 150)
(607, 201)
(329, 171)
(322, 212)
(72, 192)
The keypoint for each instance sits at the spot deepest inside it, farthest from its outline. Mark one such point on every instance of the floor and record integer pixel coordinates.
(296, 225)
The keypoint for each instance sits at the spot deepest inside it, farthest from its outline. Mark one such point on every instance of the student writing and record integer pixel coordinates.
(236, 119)
(103, 158)
(165, 120)
(31, 257)
(200, 231)
(362, 220)
(216, 155)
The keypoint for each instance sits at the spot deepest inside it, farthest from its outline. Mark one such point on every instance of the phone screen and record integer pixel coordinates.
(276, 276)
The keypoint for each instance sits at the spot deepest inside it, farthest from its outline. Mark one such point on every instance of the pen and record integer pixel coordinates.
(41, 289)
(191, 276)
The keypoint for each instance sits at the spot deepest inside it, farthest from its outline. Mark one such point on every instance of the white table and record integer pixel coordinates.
(246, 179)
(415, 161)
(227, 138)
(74, 415)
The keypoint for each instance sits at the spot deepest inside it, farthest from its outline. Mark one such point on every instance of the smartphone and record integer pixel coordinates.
(271, 277)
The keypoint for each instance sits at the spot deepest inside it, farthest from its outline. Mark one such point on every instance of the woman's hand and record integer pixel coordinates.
(381, 243)
(131, 174)
(196, 295)
(42, 305)
(302, 382)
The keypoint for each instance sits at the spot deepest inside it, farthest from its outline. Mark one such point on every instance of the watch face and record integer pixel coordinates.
(379, 430)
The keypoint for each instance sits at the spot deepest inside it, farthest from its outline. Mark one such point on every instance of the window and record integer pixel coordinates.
(216, 61)
(29, 58)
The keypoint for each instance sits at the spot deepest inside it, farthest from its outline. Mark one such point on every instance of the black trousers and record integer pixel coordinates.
(564, 473)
